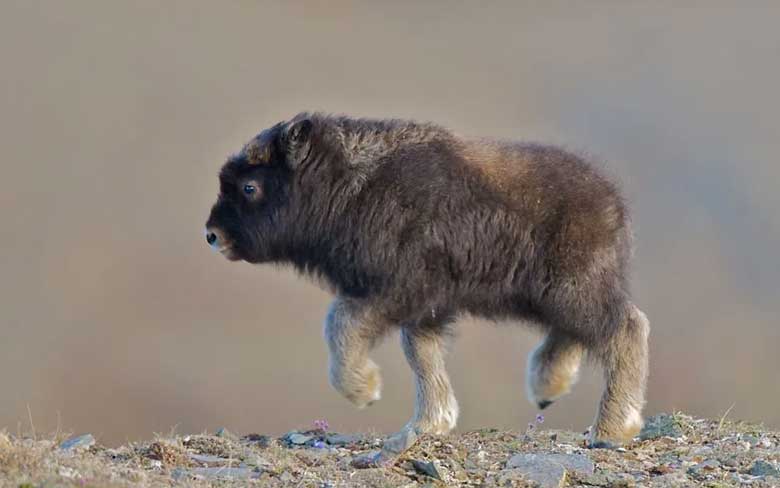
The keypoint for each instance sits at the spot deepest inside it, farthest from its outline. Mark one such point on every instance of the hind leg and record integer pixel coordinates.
(552, 368)
(351, 331)
(435, 410)
(625, 361)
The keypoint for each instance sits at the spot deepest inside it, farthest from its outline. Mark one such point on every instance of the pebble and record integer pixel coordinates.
(426, 468)
(79, 442)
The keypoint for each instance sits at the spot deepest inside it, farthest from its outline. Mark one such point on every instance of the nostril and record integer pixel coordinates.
(211, 238)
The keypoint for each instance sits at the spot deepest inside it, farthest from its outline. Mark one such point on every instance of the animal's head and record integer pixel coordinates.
(251, 218)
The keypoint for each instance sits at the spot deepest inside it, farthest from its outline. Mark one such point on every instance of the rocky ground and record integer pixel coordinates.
(673, 450)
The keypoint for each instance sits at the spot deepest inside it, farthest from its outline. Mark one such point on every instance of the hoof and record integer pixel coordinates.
(602, 444)
(544, 404)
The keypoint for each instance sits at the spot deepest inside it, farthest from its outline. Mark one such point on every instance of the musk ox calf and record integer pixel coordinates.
(412, 226)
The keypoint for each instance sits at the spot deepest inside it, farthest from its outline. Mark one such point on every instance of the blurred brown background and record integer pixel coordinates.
(117, 319)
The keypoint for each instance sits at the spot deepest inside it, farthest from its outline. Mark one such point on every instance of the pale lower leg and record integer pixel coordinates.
(625, 369)
(351, 333)
(552, 368)
(436, 410)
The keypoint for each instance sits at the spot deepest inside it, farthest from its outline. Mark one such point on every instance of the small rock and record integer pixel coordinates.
(763, 468)
(79, 442)
(299, 439)
(426, 468)
(343, 439)
(660, 426)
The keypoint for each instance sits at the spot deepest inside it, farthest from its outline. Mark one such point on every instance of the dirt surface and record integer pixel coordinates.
(673, 450)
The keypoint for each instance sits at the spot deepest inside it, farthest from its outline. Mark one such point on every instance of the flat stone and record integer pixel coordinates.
(763, 468)
(660, 426)
(426, 468)
(343, 439)
(215, 473)
(549, 470)
(299, 439)
(79, 442)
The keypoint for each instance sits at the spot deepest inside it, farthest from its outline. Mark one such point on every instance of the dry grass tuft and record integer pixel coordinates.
(171, 455)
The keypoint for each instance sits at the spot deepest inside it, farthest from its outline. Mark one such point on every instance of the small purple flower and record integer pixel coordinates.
(530, 426)
(319, 445)
(321, 425)
(539, 418)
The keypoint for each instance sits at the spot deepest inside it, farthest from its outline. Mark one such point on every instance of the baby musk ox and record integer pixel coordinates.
(412, 226)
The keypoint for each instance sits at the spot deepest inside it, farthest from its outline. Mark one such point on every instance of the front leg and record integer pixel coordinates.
(435, 410)
(351, 331)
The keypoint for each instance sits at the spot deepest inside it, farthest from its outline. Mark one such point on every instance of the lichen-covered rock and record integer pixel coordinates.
(764, 468)
(549, 470)
(662, 425)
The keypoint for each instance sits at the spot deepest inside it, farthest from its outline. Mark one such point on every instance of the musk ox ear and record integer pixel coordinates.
(298, 136)
(259, 150)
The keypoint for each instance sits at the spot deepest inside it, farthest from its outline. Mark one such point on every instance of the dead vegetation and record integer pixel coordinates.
(673, 450)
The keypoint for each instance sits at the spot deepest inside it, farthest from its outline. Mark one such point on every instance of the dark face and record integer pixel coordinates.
(248, 221)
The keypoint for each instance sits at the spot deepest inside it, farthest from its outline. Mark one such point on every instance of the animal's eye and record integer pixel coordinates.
(249, 189)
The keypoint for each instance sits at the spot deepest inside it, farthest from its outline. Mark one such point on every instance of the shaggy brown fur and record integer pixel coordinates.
(412, 226)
